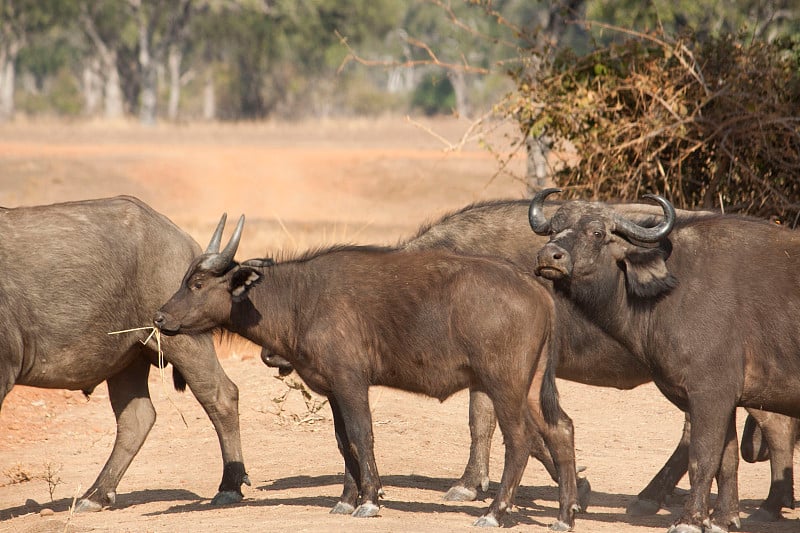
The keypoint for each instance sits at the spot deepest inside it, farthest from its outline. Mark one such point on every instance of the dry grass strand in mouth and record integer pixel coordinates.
(155, 332)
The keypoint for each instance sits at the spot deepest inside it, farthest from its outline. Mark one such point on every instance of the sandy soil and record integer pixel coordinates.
(300, 186)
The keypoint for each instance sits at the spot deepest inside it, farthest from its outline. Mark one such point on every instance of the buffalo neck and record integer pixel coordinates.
(601, 303)
(271, 314)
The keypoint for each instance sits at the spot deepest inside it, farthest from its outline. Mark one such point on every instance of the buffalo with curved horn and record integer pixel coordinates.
(347, 318)
(694, 300)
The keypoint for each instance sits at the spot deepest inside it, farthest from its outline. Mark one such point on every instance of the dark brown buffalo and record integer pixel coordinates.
(588, 355)
(429, 322)
(710, 304)
(74, 272)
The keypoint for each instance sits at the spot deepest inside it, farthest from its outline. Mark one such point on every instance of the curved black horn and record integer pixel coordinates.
(539, 223)
(632, 230)
(213, 246)
(227, 254)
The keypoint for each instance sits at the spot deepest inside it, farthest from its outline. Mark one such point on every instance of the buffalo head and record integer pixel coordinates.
(592, 245)
(213, 283)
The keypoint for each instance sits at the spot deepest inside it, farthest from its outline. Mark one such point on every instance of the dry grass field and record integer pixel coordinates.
(300, 186)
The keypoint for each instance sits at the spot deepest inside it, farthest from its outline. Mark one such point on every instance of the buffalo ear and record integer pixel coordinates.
(646, 273)
(242, 280)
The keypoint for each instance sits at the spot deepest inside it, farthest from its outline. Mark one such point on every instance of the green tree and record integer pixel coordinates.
(21, 20)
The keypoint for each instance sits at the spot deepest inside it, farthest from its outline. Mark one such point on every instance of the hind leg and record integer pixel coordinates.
(516, 432)
(194, 357)
(652, 497)
(726, 507)
(779, 435)
(130, 401)
(482, 422)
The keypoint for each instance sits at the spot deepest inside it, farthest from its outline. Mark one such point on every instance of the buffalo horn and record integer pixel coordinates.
(216, 239)
(538, 221)
(632, 230)
(227, 254)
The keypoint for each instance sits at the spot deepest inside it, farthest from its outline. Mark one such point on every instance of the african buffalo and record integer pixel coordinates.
(73, 273)
(430, 322)
(693, 299)
(588, 355)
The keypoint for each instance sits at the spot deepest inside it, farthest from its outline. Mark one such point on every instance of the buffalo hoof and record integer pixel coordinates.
(342, 508)
(227, 497)
(85, 505)
(642, 508)
(558, 525)
(765, 515)
(685, 528)
(366, 510)
(460, 494)
(486, 521)
(584, 493)
(714, 528)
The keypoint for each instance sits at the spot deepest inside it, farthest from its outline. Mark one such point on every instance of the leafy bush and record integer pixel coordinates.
(717, 125)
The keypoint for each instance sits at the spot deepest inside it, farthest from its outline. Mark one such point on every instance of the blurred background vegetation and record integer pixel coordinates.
(694, 99)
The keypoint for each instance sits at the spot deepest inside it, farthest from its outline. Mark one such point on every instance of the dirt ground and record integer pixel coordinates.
(300, 185)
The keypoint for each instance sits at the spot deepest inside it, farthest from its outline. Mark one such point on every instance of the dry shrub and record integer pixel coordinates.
(712, 124)
(17, 474)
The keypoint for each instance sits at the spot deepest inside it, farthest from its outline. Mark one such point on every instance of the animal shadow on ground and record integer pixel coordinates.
(525, 512)
(124, 500)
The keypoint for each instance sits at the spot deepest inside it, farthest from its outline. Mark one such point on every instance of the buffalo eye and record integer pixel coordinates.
(597, 234)
(197, 285)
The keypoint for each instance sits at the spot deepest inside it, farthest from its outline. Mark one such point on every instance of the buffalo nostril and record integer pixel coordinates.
(558, 256)
(159, 320)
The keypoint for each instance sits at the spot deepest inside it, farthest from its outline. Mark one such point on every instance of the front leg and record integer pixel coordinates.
(710, 414)
(194, 357)
(356, 444)
(352, 473)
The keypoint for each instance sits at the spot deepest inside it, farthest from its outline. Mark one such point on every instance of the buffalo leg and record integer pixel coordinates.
(482, 422)
(753, 444)
(560, 440)
(516, 430)
(353, 406)
(352, 473)
(194, 357)
(779, 434)
(135, 415)
(710, 415)
(663, 484)
(726, 508)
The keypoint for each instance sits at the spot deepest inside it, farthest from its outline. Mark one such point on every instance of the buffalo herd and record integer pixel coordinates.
(500, 298)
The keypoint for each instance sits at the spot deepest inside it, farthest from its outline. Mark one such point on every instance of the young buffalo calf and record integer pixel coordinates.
(429, 322)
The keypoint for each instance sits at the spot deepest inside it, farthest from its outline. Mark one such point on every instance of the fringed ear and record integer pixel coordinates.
(646, 273)
(261, 262)
(242, 281)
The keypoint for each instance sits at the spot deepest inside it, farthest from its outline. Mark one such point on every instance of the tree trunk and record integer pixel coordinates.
(148, 96)
(538, 169)
(174, 63)
(9, 48)
(112, 90)
(459, 82)
(209, 96)
(92, 85)
(114, 108)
